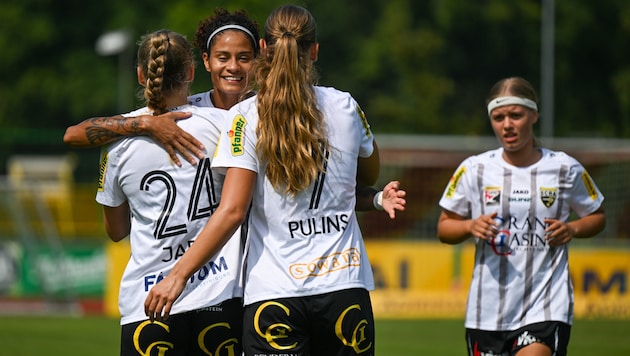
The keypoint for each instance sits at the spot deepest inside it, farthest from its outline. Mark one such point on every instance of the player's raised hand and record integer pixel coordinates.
(164, 130)
(393, 198)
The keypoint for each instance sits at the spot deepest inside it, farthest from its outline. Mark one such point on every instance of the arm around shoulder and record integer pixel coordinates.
(97, 131)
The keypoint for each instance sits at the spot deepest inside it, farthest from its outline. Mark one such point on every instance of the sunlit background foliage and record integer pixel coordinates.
(416, 67)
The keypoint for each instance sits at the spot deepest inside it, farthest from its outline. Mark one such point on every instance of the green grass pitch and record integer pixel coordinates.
(99, 336)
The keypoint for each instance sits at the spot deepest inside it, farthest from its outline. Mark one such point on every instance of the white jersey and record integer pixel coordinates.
(311, 243)
(201, 99)
(518, 279)
(169, 205)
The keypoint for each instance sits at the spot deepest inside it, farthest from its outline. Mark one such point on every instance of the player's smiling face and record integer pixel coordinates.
(513, 126)
(230, 62)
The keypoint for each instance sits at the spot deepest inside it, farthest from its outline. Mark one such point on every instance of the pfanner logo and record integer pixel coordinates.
(452, 185)
(101, 172)
(237, 135)
(364, 121)
(590, 187)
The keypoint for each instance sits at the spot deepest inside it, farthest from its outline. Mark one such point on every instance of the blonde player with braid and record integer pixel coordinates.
(228, 42)
(162, 208)
(515, 202)
(296, 151)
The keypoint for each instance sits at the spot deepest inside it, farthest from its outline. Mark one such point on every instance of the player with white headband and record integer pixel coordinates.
(228, 43)
(210, 316)
(516, 202)
(511, 100)
(297, 190)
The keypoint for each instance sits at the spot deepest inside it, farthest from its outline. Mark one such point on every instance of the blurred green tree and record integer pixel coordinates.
(415, 66)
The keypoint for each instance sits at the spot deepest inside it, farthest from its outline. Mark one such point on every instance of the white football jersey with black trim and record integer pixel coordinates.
(518, 278)
(169, 205)
(310, 243)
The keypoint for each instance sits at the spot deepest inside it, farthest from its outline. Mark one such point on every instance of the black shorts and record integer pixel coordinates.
(551, 333)
(333, 324)
(215, 330)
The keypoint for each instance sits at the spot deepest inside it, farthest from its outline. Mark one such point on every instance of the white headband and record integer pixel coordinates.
(511, 100)
(228, 27)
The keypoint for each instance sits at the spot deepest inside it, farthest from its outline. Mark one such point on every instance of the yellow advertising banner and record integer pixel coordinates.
(430, 279)
(118, 255)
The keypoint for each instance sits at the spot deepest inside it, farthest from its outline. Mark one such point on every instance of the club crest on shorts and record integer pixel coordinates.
(547, 196)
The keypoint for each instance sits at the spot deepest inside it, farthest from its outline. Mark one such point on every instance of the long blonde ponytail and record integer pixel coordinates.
(292, 139)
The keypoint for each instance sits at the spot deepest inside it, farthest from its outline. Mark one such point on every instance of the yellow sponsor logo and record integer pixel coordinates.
(590, 186)
(455, 179)
(237, 135)
(228, 345)
(357, 341)
(156, 347)
(364, 121)
(326, 264)
(102, 169)
(275, 333)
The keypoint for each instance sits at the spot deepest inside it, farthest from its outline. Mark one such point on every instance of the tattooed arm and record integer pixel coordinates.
(98, 131)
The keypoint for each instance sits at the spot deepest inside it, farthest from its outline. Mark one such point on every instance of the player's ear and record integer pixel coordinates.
(141, 79)
(191, 72)
(205, 56)
(314, 51)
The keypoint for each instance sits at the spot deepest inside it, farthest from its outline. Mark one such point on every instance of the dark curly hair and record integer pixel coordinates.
(220, 18)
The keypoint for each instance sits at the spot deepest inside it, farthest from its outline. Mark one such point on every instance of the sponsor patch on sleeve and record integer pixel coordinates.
(364, 121)
(455, 179)
(101, 171)
(237, 135)
(590, 186)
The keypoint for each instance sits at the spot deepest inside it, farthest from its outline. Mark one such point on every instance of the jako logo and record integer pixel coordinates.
(237, 135)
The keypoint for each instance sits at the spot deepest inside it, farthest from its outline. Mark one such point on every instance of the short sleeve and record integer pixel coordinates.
(109, 192)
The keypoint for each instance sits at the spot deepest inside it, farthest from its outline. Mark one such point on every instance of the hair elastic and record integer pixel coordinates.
(511, 100)
(228, 27)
